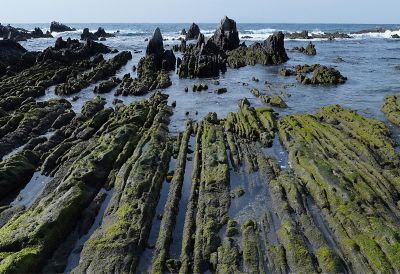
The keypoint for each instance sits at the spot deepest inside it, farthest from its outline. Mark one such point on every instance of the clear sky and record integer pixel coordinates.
(202, 11)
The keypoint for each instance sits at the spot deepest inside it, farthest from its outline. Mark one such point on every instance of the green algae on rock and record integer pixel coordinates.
(391, 108)
(349, 166)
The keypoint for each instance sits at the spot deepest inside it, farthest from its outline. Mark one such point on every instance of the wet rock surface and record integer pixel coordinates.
(270, 52)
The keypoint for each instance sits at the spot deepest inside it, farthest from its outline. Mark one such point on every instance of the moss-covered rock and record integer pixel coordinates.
(391, 108)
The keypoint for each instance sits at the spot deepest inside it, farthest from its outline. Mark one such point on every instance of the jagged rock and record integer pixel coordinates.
(14, 57)
(169, 60)
(101, 33)
(327, 35)
(71, 50)
(152, 71)
(102, 71)
(272, 51)
(226, 37)
(297, 35)
(19, 34)
(92, 107)
(107, 86)
(183, 32)
(193, 32)
(396, 36)
(309, 50)
(321, 75)
(58, 27)
(87, 35)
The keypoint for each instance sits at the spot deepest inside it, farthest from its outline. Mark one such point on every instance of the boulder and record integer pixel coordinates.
(226, 37)
(58, 27)
(193, 32)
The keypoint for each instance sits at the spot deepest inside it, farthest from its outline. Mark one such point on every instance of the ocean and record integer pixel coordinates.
(369, 62)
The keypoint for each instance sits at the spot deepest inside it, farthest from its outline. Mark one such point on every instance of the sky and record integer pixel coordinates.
(202, 11)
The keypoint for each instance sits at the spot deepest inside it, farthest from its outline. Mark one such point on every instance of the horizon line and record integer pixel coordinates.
(303, 23)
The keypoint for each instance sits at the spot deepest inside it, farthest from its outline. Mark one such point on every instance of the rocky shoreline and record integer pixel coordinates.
(113, 190)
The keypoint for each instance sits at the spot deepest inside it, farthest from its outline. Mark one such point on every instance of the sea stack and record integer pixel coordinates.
(226, 37)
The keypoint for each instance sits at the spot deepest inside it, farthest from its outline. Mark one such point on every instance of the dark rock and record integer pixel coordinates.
(58, 27)
(152, 69)
(286, 72)
(396, 36)
(103, 34)
(321, 75)
(183, 32)
(193, 32)
(107, 86)
(226, 37)
(199, 87)
(220, 90)
(272, 51)
(309, 50)
(87, 35)
(11, 57)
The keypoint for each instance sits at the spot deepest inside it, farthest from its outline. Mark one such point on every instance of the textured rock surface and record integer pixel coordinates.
(226, 37)
(271, 51)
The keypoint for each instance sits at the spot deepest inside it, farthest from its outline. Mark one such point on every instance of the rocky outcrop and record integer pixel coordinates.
(200, 62)
(309, 50)
(322, 75)
(326, 35)
(71, 50)
(127, 220)
(14, 57)
(391, 109)
(345, 161)
(100, 33)
(87, 35)
(58, 27)
(152, 71)
(226, 37)
(103, 71)
(193, 32)
(19, 34)
(271, 52)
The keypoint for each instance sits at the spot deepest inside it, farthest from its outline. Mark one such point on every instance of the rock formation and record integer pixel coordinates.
(193, 32)
(152, 69)
(58, 27)
(226, 37)
(271, 51)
